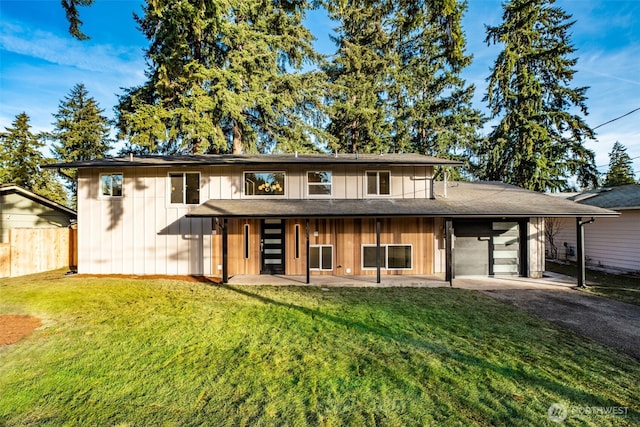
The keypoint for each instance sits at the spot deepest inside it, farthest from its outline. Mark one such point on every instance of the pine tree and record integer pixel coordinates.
(538, 143)
(80, 132)
(620, 167)
(397, 82)
(224, 76)
(20, 161)
(73, 16)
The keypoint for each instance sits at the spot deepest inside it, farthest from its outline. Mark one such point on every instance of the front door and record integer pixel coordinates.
(272, 246)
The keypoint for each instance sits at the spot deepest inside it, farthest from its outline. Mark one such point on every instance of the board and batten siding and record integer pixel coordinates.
(139, 233)
(348, 182)
(608, 242)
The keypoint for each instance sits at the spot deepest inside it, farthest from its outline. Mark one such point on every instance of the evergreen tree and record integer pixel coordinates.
(224, 76)
(620, 167)
(397, 82)
(20, 161)
(538, 142)
(73, 16)
(81, 132)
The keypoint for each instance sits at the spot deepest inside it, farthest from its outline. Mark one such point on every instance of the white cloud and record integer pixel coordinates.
(88, 56)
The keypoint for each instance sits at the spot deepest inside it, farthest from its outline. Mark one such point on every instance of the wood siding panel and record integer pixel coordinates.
(237, 263)
(347, 237)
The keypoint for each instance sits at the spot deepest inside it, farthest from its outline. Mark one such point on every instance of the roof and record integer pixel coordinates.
(259, 159)
(12, 188)
(463, 200)
(624, 197)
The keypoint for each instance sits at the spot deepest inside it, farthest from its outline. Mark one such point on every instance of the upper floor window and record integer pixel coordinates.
(319, 183)
(264, 183)
(185, 188)
(111, 184)
(378, 183)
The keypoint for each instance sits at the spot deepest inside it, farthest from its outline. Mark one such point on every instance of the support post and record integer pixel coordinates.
(225, 252)
(448, 260)
(378, 251)
(308, 246)
(580, 258)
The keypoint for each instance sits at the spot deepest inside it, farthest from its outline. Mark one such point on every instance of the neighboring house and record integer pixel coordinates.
(610, 243)
(20, 208)
(295, 214)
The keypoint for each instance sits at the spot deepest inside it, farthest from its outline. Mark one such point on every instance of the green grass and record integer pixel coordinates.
(617, 286)
(166, 352)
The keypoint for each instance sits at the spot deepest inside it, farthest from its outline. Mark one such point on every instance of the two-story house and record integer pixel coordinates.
(319, 214)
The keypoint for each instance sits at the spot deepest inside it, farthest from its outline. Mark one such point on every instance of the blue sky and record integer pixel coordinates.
(40, 62)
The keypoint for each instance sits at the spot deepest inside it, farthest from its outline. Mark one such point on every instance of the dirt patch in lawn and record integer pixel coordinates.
(14, 327)
(199, 279)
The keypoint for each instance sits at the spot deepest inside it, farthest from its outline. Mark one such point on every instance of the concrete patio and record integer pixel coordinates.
(467, 282)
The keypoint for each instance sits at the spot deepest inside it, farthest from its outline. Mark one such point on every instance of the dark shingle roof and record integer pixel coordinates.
(463, 200)
(267, 159)
(618, 198)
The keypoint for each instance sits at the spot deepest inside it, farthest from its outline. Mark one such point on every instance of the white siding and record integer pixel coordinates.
(139, 233)
(608, 242)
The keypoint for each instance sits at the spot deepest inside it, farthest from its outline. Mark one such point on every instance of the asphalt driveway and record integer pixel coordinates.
(613, 323)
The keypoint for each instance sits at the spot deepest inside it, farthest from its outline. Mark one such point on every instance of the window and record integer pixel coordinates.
(111, 185)
(393, 257)
(246, 241)
(319, 183)
(185, 188)
(264, 183)
(378, 183)
(321, 257)
(297, 237)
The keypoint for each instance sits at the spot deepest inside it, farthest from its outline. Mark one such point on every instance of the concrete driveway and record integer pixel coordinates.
(610, 322)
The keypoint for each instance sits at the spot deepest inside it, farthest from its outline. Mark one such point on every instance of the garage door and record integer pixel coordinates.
(486, 248)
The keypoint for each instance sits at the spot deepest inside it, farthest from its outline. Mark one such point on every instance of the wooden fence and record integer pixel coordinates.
(34, 250)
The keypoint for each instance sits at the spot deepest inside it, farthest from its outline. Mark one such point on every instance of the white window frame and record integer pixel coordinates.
(319, 184)
(110, 196)
(184, 183)
(320, 255)
(366, 183)
(262, 196)
(384, 256)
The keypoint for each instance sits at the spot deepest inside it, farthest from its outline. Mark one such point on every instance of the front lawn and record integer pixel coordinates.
(168, 352)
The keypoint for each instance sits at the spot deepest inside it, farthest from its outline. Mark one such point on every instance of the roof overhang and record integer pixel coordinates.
(259, 160)
(346, 208)
(457, 200)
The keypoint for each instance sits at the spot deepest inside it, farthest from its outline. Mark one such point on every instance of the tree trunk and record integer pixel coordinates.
(237, 139)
